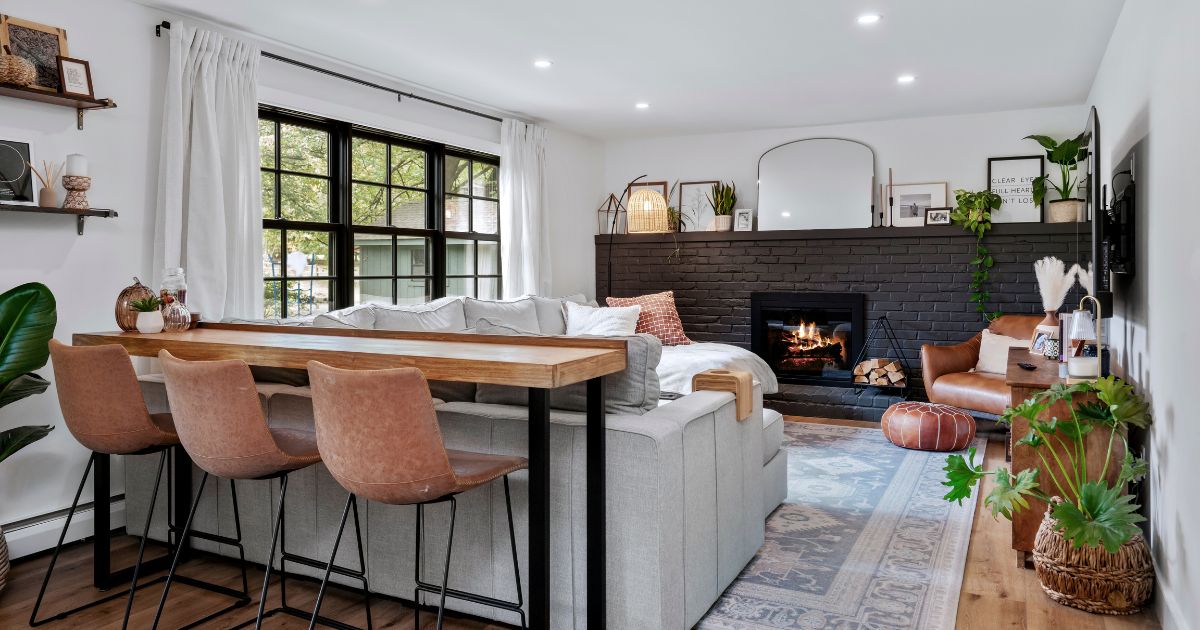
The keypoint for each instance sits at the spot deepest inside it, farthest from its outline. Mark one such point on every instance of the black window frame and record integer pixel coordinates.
(342, 227)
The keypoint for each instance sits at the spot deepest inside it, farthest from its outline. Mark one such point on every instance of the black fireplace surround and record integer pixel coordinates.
(810, 338)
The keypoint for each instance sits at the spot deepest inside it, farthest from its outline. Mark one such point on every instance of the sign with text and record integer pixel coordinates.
(1012, 179)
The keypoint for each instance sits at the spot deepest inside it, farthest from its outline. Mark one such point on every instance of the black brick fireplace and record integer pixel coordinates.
(917, 276)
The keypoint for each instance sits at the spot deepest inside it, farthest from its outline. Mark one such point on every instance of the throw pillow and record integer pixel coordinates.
(446, 318)
(520, 314)
(658, 318)
(361, 316)
(550, 313)
(993, 352)
(601, 322)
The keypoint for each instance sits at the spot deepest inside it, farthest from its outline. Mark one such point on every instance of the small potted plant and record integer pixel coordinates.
(27, 318)
(1066, 155)
(723, 198)
(1089, 551)
(149, 318)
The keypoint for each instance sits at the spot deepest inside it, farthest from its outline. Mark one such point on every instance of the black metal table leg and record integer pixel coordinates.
(539, 508)
(102, 576)
(597, 528)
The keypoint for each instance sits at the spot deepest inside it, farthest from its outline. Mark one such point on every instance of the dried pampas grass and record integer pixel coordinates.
(1053, 281)
(1084, 277)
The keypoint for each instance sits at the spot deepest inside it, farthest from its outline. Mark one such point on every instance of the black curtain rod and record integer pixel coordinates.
(345, 77)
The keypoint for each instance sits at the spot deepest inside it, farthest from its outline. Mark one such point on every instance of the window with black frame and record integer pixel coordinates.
(472, 220)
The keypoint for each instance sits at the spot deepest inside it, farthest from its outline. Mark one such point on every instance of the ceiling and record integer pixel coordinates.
(704, 65)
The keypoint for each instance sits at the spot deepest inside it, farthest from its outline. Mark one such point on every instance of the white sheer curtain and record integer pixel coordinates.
(209, 215)
(524, 234)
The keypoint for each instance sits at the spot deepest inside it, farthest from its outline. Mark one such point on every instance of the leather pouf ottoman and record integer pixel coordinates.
(928, 426)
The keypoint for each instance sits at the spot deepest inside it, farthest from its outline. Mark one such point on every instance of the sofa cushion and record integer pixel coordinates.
(520, 314)
(978, 391)
(447, 317)
(634, 390)
(361, 316)
(551, 320)
(772, 434)
(658, 316)
(601, 322)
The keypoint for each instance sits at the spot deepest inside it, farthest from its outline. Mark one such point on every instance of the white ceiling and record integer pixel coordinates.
(704, 65)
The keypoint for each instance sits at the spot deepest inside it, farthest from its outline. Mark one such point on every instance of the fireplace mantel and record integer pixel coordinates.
(999, 229)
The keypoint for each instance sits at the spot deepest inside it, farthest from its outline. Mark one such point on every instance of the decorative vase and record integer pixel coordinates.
(77, 186)
(149, 322)
(48, 198)
(176, 317)
(126, 316)
(1065, 210)
(723, 223)
(3, 561)
(17, 70)
(1091, 578)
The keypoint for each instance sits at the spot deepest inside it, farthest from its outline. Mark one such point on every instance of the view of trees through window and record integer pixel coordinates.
(352, 216)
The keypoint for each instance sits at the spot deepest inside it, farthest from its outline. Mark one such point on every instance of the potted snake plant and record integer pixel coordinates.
(723, 198)
(1089, 551)
(1066, 155)
(27, 320)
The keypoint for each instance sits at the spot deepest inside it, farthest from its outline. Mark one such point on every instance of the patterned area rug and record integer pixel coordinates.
(864, 540)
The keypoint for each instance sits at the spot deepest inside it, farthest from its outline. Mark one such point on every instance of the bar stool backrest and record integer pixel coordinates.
(101, 399)
(378, 434)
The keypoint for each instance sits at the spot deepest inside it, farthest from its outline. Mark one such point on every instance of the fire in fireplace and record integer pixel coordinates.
(808, 337)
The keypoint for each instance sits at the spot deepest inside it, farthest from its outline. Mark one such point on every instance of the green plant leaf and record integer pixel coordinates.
(16, 439)
(1074, 429)
(1009, 494)
(1126, 407)
(1032, 439)
(1047, 142)
(961, 475)
(1039, 189)
(1103, 517)
(27, 320)
(23, 386)
(1132, 469)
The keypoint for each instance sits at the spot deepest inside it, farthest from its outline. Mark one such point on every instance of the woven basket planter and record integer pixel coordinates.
(1091, 578)
(3, 561)
(17, 70)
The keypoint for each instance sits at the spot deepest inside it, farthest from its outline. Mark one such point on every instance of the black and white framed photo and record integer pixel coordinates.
(1012, 179)
(16, 177)
(76, 77)
(40, 44)
(938, 216)
(743, 220)
(695, 208)
(910, 201)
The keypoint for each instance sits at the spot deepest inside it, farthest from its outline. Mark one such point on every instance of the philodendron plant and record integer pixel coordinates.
(27, 320)
(1094, 512)
(1066, 155)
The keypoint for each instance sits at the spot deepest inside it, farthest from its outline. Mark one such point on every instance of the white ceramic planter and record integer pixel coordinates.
(150, 323)
(1065, 210)
(723, 223)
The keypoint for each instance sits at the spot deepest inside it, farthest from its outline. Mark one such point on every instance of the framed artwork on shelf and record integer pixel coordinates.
(40, 44)
(910, 201)
(938, 216)
(695, 208)
(1012, 179)
(76, 77)
(743, 220)
(16, 176)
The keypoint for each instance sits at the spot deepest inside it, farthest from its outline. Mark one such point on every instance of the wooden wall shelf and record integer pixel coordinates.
(1084, 230)
(80, 104)
(80, 216)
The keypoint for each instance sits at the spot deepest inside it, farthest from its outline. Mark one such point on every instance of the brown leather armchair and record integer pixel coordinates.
(947, 373)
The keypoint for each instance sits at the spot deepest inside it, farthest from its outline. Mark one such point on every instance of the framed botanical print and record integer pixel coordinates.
(40, 44)
(695, 208)
(1012, 179)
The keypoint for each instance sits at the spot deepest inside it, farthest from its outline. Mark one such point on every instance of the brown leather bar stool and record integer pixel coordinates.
(103, 407)
(379, 437)
(222, 427)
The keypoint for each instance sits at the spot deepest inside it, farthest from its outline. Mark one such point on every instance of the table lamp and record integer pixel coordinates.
(1085, 328)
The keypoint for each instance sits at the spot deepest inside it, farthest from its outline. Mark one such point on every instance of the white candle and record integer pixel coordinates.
(77, 165)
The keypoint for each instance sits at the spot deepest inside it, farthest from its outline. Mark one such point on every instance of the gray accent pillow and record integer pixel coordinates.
(445, 318)
(520, 314)
(550, 313)
(633, 391)
(361, 316)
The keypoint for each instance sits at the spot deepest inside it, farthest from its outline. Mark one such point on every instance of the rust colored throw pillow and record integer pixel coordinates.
(658, 317)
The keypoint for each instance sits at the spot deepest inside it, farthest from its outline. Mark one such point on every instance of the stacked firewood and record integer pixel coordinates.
(880, 373)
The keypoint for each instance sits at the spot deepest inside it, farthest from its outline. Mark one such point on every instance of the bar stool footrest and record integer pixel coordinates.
(482, 600)
(306, 615)
(103, 600)
(317, 564)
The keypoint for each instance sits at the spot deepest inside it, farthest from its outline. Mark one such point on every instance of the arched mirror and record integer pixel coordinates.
(818, 183)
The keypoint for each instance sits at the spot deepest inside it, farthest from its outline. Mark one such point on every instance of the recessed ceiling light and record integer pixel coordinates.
(542, 64)
(642, 105)
(867, 19)
(905, 78)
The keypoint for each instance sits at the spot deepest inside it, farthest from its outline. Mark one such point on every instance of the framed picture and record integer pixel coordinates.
(1037, 343)
(1012, 179)
(76, 77)
(38, 43)
(16, 177)
(910, 201)
(694, 206)
(938, 216)
(743, 220)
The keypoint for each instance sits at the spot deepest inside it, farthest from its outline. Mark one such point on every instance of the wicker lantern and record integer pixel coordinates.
(648, 212)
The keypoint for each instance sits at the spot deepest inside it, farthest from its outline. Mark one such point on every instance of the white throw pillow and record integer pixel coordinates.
(993, 352)
(520, 314)
(446, 318)
(361, 316)
(612, 321)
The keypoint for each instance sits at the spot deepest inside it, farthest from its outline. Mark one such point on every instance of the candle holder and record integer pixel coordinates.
(77, 186)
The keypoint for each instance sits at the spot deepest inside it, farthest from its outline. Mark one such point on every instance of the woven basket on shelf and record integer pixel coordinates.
(16, 70)
(1091, 578)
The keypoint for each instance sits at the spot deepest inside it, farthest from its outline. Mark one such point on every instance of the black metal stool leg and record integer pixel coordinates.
(237, 525)
(446, 570)
(337, 541)
(183, 536)
(417, 563)
(362, 564)
(262, 599)
(162, 459)
(512, 537)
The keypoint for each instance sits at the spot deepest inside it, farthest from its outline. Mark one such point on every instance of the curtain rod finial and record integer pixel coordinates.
(159, 27)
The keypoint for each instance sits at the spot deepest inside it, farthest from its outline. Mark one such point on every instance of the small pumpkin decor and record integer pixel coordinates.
(1089, 551)
(125, 313)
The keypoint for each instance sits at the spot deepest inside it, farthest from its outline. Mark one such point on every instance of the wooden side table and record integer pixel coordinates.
(1026, 383)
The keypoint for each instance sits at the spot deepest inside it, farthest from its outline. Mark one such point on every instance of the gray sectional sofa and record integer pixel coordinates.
(689, 487)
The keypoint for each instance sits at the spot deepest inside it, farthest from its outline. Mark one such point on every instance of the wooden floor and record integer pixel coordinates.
(995, 592)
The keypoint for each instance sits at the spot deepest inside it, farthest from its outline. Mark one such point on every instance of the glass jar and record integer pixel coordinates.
(174, 286)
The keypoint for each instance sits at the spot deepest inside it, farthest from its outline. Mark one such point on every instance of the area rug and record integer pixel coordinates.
(864, 540)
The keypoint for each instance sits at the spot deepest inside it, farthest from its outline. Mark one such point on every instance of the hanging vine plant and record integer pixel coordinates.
(974, 214)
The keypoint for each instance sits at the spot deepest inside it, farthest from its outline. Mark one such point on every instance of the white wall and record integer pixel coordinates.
(1146, 93)
(950, 149)
(575, 164)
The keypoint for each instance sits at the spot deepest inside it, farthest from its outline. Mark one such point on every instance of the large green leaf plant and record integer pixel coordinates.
(1066, 155)
(27, 319)
(1093, 512)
